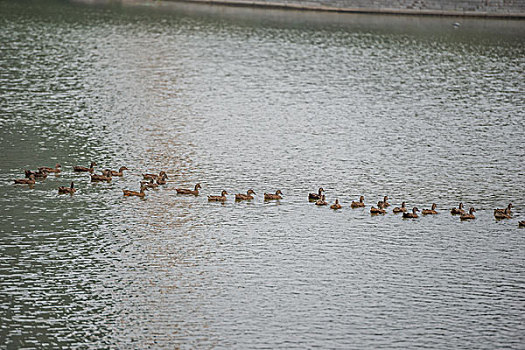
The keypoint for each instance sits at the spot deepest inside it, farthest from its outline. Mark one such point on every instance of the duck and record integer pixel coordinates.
(56, 169)
(321, 201)
(503, 215)
(521, 223)
(120, 171)
(379, 210)
(430, 211)
(67, 190)
(149, 184)
(37, 174)
(141, 194)
(79, 168)
(155, 177)
(194, 192)
(106, 176)
(271, 196)
(336, 205)
(457, 211)
(315, 196)
(411, 215)
(221, 198)
(468, 216)
(359, 204)
(509, 207)
(29, 181)
(161, 179)
(385, 202)
(245, 197)
(401, 209)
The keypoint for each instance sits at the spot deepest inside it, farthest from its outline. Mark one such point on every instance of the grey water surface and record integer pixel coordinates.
(235, 98)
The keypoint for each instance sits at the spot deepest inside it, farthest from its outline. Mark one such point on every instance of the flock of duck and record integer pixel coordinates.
(154, 180)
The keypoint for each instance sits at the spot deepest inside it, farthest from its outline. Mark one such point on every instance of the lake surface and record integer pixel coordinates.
(409, 107)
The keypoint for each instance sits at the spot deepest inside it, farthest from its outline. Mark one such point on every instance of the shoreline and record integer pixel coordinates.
(360, 10)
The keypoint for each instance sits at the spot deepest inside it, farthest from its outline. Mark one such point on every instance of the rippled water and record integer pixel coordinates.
(234, 99)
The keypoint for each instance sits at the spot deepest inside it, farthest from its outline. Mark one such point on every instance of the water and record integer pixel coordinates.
(234, 99)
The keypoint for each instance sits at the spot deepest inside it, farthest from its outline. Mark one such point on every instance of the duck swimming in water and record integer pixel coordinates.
(30, 181)
(468, 216)
(315, 196)
(120, 171)
(457, 211)
(430, 211)
(245, 197)
(412, 215)
(79, 168)
(56, 169)
(67, 190)
(509, 208)
(379, 210)
(149, 184)
(401, 209)
(106, 176)
(271, 196)
(503, 215)
(161, 179)
(336, 205)
(321, 201)
(221, 198)
(37, 174)
(385, 202)
(141, 194)
(359, 204)
(194, 192)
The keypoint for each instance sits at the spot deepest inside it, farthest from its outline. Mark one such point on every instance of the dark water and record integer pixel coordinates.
(234, 99)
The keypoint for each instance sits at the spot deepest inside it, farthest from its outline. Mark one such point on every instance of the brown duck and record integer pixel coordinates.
(221, 198)
(271, 196)
(521, 224)
(194, 192)
(30, 181)
(245, 197)
(503, 215)
(468, 216)
(37, 174)
(141, 194)
(120, 171)
(321, 201)
(385, 202)
(67, 190)
(84, 169)
(316, 196)
(402, 209)
(162, 179)
(457, 211)
(379, 210)
(161, 174)
(359, 204)
(149, 184)
(56, 169)
(430, 211)
(412, 215)
(106, 176)
(509, 207)
(336, 205)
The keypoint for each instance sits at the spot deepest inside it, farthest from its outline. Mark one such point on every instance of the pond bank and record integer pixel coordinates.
(464, 8)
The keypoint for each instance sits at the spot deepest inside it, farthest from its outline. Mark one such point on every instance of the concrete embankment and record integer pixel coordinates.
(471, 8)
